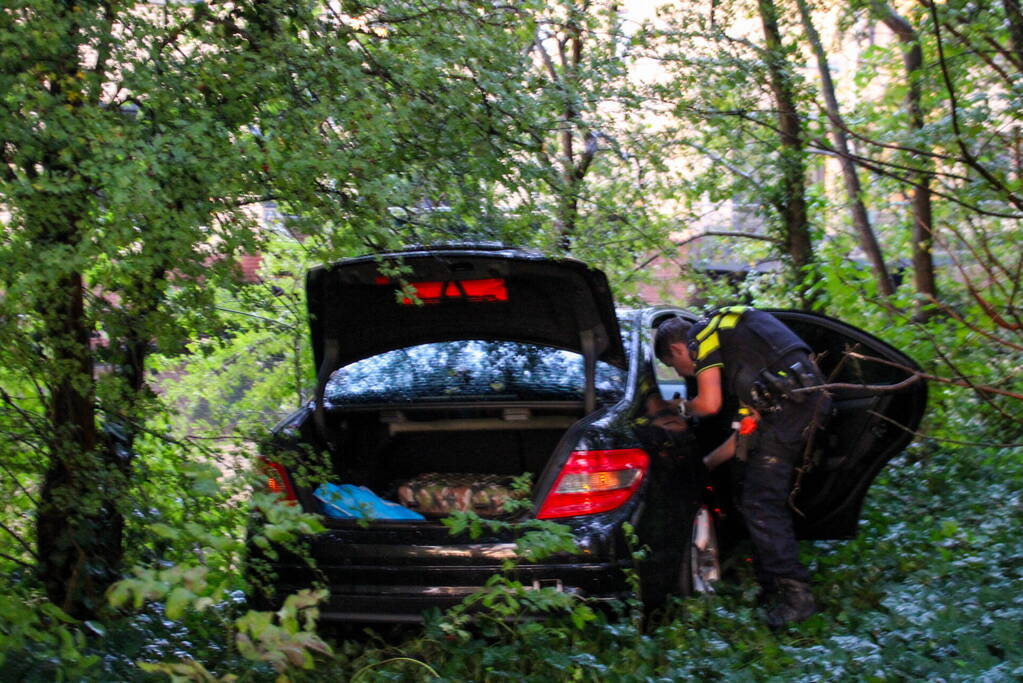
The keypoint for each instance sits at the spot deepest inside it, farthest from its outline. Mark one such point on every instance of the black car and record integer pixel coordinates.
(483, 363)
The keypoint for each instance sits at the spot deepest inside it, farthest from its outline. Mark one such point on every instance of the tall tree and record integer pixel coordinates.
(738, 103)
(839, 138)
(792, 155)
(113, 163)
(922, 214)
(590, 160)
(138, 141)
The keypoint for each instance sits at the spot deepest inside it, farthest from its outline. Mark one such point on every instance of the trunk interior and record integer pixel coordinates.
(460, 446)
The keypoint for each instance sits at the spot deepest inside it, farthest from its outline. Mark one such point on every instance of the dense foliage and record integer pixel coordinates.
(146, 147)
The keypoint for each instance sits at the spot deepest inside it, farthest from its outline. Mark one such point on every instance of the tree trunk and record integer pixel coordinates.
(78, 524)
(923, 225)
(860, 219)
(571, 180)
(792, 157)
(572, 164)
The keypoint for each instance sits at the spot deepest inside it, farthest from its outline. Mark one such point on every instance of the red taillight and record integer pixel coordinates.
(595, 481)
(278, 481)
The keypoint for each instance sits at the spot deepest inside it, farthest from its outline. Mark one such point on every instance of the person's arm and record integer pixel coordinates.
(708, 398)
(722, 453)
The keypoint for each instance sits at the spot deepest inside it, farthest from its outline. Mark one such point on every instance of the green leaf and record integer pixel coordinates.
(177, 601)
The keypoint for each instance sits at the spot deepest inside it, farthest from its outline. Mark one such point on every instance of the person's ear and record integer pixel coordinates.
(681, 348)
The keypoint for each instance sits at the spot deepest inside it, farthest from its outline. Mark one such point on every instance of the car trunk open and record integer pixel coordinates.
(388, 449)
(460, 362)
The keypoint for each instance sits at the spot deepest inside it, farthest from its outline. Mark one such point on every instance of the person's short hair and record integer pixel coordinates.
(671, 331)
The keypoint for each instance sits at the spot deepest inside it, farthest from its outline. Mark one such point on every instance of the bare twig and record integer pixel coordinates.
(968, 156)
(979, 388)
(11, 558)
(21, 541)
(873, 388)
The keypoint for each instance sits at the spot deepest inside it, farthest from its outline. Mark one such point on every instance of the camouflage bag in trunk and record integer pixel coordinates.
(435, 494)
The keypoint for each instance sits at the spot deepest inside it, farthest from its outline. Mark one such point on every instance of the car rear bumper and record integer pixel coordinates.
(396, 602)
(402, 592)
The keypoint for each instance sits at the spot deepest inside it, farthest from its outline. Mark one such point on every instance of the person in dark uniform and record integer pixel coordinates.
(751, 355)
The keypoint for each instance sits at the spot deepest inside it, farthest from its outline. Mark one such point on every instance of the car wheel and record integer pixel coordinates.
(701, 565)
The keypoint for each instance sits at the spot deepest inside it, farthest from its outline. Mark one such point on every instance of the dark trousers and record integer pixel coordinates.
(767, 482)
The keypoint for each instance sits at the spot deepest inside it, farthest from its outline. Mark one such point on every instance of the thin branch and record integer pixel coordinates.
(545, 56)
(35, 421)
(1004, 53)
(136, 426)
(941, 356)
(916, 151)
(944, 357)
(987, 60)
(991, 263)
(22, 542)
(748, 177)
(873, 388)
(642, 266)
(986, 305)
(952, 313)
(589, 152)
(14, 478)
(965, 383)
(11, 558)
(822, 144)
(823, 148)
(738, 113)
(727, 233)
(968, 156)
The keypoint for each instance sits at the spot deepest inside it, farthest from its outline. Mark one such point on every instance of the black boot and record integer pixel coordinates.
(794, 603)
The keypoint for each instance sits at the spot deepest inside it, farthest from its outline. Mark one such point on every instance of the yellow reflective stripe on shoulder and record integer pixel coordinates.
(716, 365)
(730, 316)
(708, 346)
(725, 319)
(729, 321)
(712, 325)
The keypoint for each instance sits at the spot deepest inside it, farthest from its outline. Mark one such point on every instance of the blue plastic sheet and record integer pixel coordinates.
(347, 501)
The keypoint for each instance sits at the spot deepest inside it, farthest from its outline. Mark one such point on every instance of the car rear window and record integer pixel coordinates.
(473, 370)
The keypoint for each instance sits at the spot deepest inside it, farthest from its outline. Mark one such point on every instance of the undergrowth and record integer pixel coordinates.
(928, 590)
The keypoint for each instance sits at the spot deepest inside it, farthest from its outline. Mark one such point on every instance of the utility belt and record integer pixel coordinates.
(772, 387)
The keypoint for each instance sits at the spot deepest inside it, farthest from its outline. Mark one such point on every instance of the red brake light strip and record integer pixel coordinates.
(486, 290)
